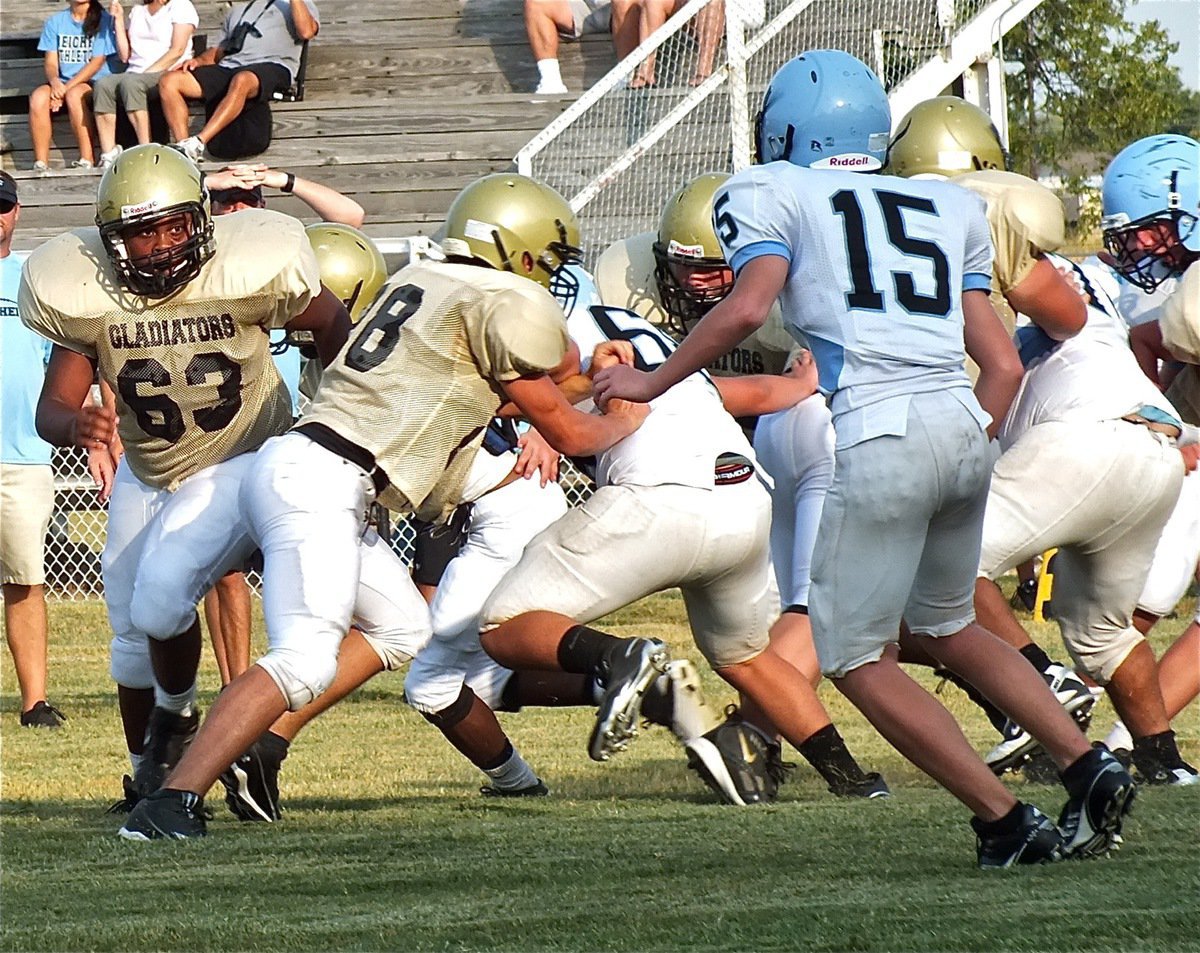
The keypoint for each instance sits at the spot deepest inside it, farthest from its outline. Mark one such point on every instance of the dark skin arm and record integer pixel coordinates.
(326, 317)
(65, 417)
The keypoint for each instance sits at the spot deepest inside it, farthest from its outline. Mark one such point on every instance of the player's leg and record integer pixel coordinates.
(194, 539)
(592, 561)
(872, 561)
(131, 508)
(306, 507)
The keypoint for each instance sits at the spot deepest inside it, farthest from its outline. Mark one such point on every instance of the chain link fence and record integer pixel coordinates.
(79, 524)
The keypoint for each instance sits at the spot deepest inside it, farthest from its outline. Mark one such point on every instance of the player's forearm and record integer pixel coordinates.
(758, 394)
(590, 434)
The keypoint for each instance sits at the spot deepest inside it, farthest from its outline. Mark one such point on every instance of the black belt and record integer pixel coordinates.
(732, 468)
(352, 452)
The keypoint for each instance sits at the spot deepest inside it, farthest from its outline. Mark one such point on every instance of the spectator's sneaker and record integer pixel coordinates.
(872, 786)
(175, 815)
(734, 761)
(129, 797)
(167, 738)
(107, 158)
(630, 670)
(537, 789)
(252, 782)
(550, 88)
(192, 147)
(1092, 817)
(42, 715)
(1035, 841)
(41, 168)
(676, 701)
(85, 165)
(1018, 745)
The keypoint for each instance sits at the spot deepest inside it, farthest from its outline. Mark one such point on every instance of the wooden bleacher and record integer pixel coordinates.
(406, 101)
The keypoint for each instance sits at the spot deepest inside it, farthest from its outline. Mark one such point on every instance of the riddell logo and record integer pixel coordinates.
(850, 160)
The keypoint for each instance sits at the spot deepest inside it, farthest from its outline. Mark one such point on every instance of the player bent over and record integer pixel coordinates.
(399, 416)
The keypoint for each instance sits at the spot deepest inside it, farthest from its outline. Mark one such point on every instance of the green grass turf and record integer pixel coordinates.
(386, 844)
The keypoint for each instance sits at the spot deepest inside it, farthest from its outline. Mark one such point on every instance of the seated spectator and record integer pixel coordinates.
(77, 43)
(159, 38)
(548, 21)
(26, 483)
(258, 55)
(708, 27)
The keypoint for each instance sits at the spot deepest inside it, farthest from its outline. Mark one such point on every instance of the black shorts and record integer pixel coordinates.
(214, 80)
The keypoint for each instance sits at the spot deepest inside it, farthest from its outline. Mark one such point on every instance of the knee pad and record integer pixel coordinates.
(393, 652)
(300, 674)
(130, 661)
(432, 683)
(1099, 658)
(446, 718)
(154, 611)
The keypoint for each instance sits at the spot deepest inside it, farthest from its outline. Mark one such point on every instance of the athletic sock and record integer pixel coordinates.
(584, 651)
(1008, 824)
(549, 72)
(1036, 657)
(182, 704)
(827, 752)
(511, 773)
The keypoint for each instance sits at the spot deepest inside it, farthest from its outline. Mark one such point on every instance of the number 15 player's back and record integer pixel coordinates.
(876, 285)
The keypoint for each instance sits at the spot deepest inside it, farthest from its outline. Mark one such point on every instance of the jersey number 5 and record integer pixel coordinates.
(161, 417)
(865, 296)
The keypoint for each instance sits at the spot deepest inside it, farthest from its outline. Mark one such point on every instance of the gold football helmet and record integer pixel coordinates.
(513, 223)
(143, 185)
(352, 266)
(942, 137)
(689, 266)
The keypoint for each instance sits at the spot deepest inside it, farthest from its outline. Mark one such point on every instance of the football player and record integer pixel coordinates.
(886, 278)
(172, 308)
(673, 277)
(1088, 466)
(1151, 204)
(399, 416)
(944, 137)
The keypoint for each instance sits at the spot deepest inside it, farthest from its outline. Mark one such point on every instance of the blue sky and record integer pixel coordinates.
(1181, 19)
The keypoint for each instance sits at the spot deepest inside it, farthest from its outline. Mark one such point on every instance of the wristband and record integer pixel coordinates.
(289, 184)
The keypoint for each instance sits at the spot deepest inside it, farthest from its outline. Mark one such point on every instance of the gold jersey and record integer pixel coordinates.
(419, 379)
(1180, 325)
(625, 278)
(1026, 219)
(192, 373)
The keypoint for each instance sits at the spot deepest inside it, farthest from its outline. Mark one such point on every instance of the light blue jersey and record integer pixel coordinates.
(23, 357)
(877, 267)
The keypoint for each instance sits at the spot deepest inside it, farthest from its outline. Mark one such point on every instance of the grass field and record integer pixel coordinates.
(386, 844)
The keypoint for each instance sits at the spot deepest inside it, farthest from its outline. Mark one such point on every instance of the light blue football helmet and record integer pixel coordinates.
(825, 109)
(1151, 205)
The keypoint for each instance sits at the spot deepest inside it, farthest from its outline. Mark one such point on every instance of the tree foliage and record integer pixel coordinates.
(1083, 83)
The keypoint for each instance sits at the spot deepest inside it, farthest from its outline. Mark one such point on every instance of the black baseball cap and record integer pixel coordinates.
(8, 188)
